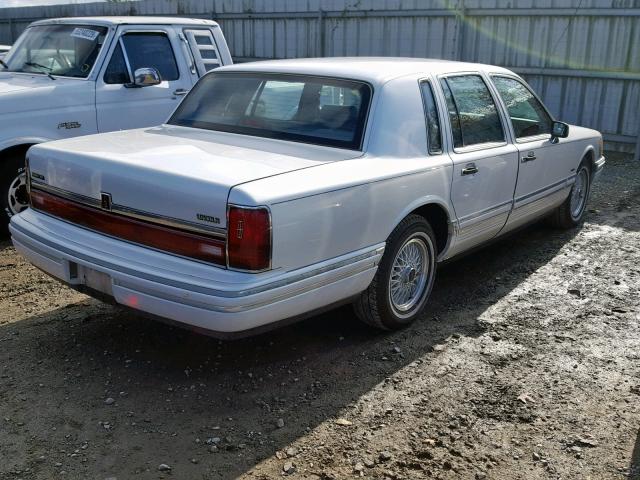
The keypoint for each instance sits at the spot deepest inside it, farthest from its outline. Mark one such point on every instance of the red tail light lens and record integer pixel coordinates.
(169, 239)
(249, 238)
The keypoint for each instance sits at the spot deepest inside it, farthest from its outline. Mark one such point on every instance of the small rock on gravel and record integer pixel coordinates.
(292, 451)
(163, 467)
(109, 401)
(289, 468)
(385, 456)
(280, 423)
(343, 422)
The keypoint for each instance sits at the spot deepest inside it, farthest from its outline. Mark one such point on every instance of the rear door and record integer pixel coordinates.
(118, 106)
(485, 162)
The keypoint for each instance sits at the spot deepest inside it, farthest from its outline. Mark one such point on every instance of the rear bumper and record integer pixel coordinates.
(182, 290)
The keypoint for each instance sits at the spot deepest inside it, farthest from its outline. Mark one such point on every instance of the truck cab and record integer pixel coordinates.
(78, 76)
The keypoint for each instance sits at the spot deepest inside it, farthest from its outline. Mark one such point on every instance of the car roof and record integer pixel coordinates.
(375, 70)
(109, 21)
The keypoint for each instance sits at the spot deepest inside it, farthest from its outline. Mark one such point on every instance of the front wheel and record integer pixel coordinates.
(571, 213)
(401, 287)
(13, 188)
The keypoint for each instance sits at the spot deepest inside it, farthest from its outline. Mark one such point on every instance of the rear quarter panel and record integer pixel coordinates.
(367, 199)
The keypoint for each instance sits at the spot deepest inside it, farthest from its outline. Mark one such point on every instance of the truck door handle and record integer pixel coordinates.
(529, 158)
(180, 91)
(469, 169)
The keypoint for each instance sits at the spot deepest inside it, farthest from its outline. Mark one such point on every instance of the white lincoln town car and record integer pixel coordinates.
(280, 188)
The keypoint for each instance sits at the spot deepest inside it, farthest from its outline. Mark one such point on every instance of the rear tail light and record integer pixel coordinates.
(173, 240)
(248, 238)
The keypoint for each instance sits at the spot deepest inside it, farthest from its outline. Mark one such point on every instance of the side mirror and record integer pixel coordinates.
(145, 77)
(559, 130)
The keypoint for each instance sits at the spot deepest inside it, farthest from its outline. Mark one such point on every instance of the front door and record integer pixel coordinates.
(545, 165)
(120, 106)
(485, 164)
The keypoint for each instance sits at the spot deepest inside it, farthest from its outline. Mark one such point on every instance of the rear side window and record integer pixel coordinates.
(472, 111)
(204, 49)
(431, 117)
(528, 116)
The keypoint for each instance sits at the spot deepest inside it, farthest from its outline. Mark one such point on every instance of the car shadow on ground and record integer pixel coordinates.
(174, 389)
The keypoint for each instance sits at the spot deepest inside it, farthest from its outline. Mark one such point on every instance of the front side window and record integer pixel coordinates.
(65, 50)
(297, 108)
(528, 116)
(472, 111)
(143, 50)
(431, 117)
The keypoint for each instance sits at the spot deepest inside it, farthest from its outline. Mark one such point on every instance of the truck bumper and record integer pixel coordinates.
(182, 290)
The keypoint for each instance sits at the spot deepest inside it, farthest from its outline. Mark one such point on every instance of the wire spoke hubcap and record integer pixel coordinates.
(579, 193)
(18, 196)
(409, 275)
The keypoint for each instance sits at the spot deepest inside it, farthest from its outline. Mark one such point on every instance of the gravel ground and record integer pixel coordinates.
(526, 366)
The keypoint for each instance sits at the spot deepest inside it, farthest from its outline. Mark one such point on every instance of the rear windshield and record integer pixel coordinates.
(297, 108)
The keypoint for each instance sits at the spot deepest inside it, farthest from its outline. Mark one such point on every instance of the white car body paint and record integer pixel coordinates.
(332, 209)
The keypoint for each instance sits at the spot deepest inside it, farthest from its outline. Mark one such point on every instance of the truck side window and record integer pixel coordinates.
(431, 117)
(143, 49)
(117, 69)
(151, 49)
(471, 106)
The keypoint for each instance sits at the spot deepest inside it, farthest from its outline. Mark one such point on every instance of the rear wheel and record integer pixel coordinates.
(13, 188)
(401, 287)
(571, 213)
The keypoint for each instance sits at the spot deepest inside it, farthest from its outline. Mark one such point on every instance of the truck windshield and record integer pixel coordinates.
(66, 50)
(299, 108)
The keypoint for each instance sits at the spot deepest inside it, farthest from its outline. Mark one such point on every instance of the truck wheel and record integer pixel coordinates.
(13, 188)
(401, 287)
(571, 213)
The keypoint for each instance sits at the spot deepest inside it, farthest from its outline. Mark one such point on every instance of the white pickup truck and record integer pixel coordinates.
(77, 76)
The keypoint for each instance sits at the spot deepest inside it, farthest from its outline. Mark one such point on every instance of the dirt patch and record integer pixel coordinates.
(526, 366)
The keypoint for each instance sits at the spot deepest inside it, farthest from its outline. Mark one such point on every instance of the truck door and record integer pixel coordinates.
(485, 164)
(120, 106)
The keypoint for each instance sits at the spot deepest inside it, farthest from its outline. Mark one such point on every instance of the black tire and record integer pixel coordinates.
(566, 216)
(374, 306)
(12, 190)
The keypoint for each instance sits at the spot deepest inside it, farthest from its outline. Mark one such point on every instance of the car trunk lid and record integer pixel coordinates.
(168, 174)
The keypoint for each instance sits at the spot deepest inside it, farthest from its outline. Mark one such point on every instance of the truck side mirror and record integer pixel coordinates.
(145, 77)
(559, 130)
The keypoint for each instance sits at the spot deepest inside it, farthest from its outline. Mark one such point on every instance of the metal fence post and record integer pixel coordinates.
(12, 31)
(320, 32)
(462, 24)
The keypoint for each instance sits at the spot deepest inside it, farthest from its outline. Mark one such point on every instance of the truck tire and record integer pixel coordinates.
(571, 213)
(401, 287)
(13, 188)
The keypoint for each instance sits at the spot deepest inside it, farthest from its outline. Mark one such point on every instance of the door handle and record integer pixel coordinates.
(180, 91)
(529, 158)
(469, 169)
